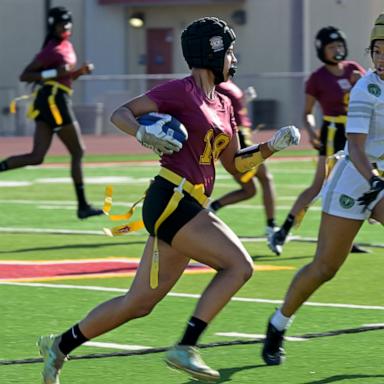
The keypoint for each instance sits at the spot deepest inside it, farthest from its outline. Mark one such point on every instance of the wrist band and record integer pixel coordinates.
(48, 74)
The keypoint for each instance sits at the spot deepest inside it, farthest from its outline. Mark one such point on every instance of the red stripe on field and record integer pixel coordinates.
(20, 271)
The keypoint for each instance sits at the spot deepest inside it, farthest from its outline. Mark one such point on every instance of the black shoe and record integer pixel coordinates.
(273, 352)
(276, 241)
(88, 211)
(357, 249)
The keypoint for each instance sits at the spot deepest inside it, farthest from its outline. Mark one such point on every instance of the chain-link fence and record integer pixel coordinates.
(279, 102)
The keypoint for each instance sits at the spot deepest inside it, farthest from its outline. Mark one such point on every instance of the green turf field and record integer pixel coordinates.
(38, 222)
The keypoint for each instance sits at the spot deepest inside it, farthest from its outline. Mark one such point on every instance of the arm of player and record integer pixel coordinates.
(149, 136)
(251, 157)
(85, 69)
(309, 122)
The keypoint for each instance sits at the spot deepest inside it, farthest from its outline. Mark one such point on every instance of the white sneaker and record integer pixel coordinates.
(53, 358)
(187, 359)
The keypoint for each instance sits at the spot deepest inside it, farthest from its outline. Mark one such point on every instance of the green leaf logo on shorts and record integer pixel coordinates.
(374, 89)
(346, 202)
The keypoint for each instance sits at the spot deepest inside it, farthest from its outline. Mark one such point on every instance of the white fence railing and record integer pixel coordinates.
(280, 100)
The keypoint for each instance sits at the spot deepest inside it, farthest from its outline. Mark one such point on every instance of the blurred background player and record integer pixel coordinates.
(53, 71)
(353, 193)
(239, 100)
(329, 86)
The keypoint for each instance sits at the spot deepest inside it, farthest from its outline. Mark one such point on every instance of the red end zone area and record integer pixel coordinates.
(75, 269)
(13, 270)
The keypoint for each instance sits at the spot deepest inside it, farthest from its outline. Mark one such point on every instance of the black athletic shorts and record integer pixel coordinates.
(338, 142)
(157, 197)
(64, 105)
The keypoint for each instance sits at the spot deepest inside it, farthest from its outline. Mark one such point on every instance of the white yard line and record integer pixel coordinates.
(123, 347)
(191, 296)
(255, 336)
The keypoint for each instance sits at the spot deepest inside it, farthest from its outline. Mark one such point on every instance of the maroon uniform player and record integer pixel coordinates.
(53, 69)
(330, 86)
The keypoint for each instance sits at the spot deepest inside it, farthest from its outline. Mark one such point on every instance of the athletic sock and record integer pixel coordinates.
(193, 331)
(71, 339)
(80, 193)
(281, 322)
(3, 166)
(271, 223)
(288, 223)
(215, 205)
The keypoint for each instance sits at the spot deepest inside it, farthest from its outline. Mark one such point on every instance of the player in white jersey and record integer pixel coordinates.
(354, 192)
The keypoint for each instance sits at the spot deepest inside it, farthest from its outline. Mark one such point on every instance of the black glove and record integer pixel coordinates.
(377, 185)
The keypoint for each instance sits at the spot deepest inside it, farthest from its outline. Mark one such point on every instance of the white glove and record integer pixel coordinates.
(250, 94)
(284, 137)
(153, 137)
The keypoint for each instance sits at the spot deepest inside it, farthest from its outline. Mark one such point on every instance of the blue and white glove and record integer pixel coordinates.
(284, 137)
(153, 137)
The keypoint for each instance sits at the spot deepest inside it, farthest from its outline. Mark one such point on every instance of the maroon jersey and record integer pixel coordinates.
(235, 94)
(332, 92)
(210, 125)
(56, 54)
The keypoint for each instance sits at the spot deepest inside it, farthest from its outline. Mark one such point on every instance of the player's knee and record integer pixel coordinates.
(325, 272)
(245, 269)
(36, 159)
(249, 190)
(78, 154)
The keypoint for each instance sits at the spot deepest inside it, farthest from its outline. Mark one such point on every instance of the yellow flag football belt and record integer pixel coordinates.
(32, 113)
(181, 184)
(124, 228)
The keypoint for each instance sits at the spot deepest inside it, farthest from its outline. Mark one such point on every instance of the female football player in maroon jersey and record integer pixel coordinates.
(53, 70)
(329, 86)
(174, 211)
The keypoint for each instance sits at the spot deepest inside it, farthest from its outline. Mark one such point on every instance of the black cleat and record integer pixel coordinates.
(88, 211)
(273, 352)
(357, 249)
(276, 241)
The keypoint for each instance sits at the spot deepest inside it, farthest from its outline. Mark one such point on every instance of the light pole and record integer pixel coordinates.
(47, 6)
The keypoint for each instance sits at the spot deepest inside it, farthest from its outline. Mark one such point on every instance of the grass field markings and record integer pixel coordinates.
(374, 325)
(123, 347)
(335, 332)
(192, 296)
(256, 336)
(152, 163)
(95, 180)
(51, 270)
(53, 231)
(13, 184)
(55, 207)
(64, 203)
(245, 239)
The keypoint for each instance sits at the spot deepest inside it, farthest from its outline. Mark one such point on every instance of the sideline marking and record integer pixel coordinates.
(190, 295)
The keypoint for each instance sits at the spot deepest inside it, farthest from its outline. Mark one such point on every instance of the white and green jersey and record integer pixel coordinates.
(366, 115)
